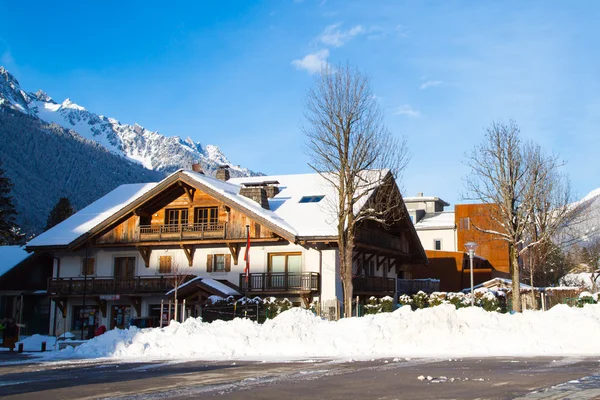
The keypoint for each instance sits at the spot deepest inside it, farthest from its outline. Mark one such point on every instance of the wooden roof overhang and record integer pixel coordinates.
(158, 195)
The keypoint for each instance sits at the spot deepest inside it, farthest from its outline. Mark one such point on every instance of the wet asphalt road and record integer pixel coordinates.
(474, 378)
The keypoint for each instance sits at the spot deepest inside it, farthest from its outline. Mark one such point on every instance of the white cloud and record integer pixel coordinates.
(313, 62)
(407, 110)
(332, 36)
(428, 84)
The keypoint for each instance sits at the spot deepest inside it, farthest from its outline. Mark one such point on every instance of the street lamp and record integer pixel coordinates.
(471, 246)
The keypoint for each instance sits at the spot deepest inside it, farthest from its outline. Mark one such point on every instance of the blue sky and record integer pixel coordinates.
(235, 73)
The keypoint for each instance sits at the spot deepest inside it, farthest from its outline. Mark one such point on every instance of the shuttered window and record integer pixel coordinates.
(88, 266)
(164, 265)
(124, 267)
(218, 263)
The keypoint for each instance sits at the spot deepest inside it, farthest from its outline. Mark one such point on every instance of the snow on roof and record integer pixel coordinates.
(10, 257)
(221, 287)
(312, 218)
(231, 191)
(86, 219)
(497, 282)
(440, 220)
(287, 213)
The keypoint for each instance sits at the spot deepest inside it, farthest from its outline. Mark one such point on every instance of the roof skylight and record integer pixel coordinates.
(311, 199)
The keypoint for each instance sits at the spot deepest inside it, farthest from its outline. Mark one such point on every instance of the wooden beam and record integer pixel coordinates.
(189, 253)
(392, 263)
(61, 303)
(141, 213)
(145, 253)
(356, 256)
(234, 249)
(380, 261)
(190, 193)
(137, 304)
(370, 257)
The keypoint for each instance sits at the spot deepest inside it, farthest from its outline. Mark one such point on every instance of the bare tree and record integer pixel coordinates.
(532, 198)
(350, 147)
(177, 277)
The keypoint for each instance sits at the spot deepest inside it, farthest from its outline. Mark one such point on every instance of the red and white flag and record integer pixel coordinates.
(247, 254)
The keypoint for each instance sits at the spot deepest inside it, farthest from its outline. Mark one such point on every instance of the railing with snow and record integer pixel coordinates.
(412, 286)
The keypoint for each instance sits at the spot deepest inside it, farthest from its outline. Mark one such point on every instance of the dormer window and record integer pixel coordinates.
(311, 199)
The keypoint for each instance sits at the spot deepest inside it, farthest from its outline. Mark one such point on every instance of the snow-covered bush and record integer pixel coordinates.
(372, 306)
(420, 300)
(437, 298)
(457, 299)
(274, 307)
(405, 300)
(488, 301)
(387, 304)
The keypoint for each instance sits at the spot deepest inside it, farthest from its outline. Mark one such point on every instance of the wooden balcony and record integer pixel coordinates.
(373, 285)
(380, 240)
(158, 233)
(281, 283)
(109, 285)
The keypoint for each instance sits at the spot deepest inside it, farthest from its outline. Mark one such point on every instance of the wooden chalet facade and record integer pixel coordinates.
(117, 258)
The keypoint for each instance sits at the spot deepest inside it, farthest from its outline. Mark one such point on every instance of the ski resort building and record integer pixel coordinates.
(118, 258)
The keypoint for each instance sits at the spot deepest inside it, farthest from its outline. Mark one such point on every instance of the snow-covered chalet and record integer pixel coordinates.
(115, 259)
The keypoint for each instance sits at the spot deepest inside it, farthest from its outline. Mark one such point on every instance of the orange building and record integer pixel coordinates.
(452, 267)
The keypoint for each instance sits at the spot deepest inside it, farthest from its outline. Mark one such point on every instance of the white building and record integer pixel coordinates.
(117, 258)
(435, 227)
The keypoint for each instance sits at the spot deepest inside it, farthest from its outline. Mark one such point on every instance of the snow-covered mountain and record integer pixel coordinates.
(586, 228)
(151, 149)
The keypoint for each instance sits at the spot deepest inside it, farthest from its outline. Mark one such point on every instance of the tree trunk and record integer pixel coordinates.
(531, 267)
(514, 274)
(175, 304)
(346, 249)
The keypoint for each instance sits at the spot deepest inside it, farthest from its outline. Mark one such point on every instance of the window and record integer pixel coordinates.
(88, 266)
(176, 216)
(218, 263)
(311, 199)
(285, 262)
(437, 244)
(164, 265)
(206, 215)
(464, 223)
(124, 267)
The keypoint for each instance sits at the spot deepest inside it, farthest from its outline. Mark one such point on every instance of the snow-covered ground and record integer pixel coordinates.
(440, 331)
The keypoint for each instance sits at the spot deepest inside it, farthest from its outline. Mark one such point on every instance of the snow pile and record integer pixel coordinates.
(440, 331)
(34, 342)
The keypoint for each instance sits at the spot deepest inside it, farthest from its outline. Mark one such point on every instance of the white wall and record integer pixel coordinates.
(447, 236)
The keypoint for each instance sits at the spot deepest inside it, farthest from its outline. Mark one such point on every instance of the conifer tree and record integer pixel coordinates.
(61, 211)
(9, 231)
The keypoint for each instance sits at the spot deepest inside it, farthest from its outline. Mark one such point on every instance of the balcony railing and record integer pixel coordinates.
(280, 282)
(110, 285)
(180, 232)
(373, 284)
(379, 239)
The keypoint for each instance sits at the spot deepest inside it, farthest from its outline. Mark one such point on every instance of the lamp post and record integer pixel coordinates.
(471, 246)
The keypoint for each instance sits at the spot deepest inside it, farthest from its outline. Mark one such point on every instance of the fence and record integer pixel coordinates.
(413, 286)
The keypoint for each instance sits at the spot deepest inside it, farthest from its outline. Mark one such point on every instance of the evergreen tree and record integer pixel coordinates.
(61, 211)
(9, 231)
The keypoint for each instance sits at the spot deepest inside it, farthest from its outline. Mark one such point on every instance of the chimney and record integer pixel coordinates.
(256, 193)
(420, 194)
(196, 167)
(223, 173)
